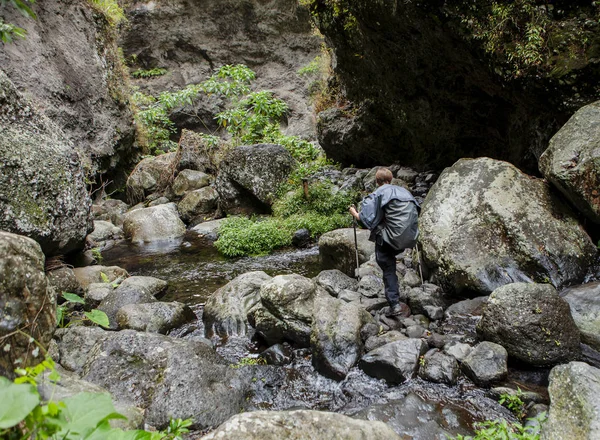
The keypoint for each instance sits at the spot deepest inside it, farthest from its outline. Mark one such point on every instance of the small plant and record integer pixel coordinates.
(501, 429)
(514, 403)
(111, 10)
(10, 32)
(248, 361)
(142, 73)
(64, 318)
(97, 254)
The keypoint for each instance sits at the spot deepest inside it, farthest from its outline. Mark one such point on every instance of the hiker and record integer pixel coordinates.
(391, 214)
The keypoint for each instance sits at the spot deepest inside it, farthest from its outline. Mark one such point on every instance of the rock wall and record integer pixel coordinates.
(69, 67)
(193, 39)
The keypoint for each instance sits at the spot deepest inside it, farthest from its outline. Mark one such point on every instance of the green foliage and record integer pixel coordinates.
(65, 317)
(111, 10)
(514, 403)
(24, 415)
(321, 200)
(143, 73)
(248, 361)
(97, 254)
(503, 430)
(8, 31)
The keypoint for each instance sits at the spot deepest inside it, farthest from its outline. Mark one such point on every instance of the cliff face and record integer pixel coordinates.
(424, 92)
(68, 66)
(193, 39)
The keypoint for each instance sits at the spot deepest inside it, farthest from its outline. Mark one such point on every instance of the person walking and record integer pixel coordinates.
(391, 213)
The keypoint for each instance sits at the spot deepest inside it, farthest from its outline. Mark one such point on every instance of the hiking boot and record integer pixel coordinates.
(399, 309)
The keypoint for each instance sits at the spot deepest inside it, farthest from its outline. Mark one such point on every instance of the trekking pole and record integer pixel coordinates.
(354, 224)
(419, 262)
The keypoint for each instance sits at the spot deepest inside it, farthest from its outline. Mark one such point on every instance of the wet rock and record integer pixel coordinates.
(195, 203)
(301, 238)
(572, 161)
(286, 310)
(63, 280)
(226, 310)
(415, 331)
(395, 362)
(335, 338)
(584, 302)
(143, 369)
(334, 281)
(337, 249)
(434, 313)
(528, 397)
(574, 403)
(28, 303)
(532, 323)
(438, 367)
(480, 230)
(278, 354)
(371, 286)
(155, 286)
(44, 196)
(149, 175)
(377, 341)
(158, 317)
(153, 224)
(373, 305)
(110, 210)
(190, 180)
(466, 308)
(486, 363)
(95, 294)
(304, 424)
(104, 231)
(426, 295)
(209, 229)
(249, 176)
(458, 350)
(93, 274)
(123, 296)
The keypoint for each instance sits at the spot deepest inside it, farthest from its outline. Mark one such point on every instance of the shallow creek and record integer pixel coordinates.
(194, 269)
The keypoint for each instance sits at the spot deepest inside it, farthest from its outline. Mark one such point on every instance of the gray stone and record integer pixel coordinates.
(486, 364)
(334, 281)
(532, 323)
(44, 196)
(467, 307)
(198, 202)
(572, 160)
(300, 425)
(335, 338)
(110, 210)
(123, 296)
(63, 280)
(95, 294)
(574, 403)
(434, 313)
(458, 349)
(438, 367)
(337, 249)
(155, 286)
(301, 238)
(143, 369)
(104, 231)
(584, 302)
(249, 177)
(153, 224)
(480, 229)
(380, 340)
(395, 362)
(278, 354)
(371, 286)
(159, 201)
(415, 331)
(149, 175)
(426, 295)
(190, 180)
(157, 317)
(28, 304)
(407, 174)
(93, 274)
(226, 310)
(209, 229)
(348, 296)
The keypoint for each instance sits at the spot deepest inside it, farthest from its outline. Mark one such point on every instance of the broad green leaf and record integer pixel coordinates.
(104, 277)
(17, 401)
(85, 412)
(71, 297)
(98, 317)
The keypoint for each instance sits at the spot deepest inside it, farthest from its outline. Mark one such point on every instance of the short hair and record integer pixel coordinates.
(383, 176)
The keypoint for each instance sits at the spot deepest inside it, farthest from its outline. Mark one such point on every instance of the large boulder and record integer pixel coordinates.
(335, 339)
(98, 274)
(226, 310)
(286, 309)
(158, 317)
(338, 250)
(395, 362)
(300, 425)
(145, 369)
(104, 231)
(120, 297)
(157, 223)
(149, 175)
(190, 180)
(486, 363)
(584, 302)
(574, 403)
(532, 323)
(572, 160)
(111, 210)
(27, 303)
(197, 202)
(485, 224)
(71, 67)
(335, 281)
(44, 196)
(250, 175)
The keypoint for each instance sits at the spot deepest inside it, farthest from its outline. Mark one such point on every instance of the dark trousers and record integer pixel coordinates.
(385, 256)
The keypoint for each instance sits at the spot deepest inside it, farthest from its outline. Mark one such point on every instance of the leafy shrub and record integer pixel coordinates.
(321, 200)
(514, 403)
(111, 11)
(501, 429)
(142, 73)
